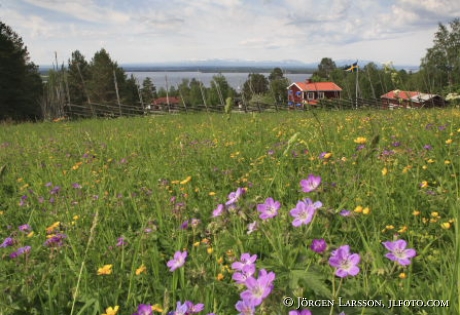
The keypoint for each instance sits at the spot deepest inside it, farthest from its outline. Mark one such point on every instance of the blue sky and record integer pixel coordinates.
(145, 31)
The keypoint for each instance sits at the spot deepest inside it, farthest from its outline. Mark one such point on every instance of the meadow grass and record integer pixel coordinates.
(105, 204)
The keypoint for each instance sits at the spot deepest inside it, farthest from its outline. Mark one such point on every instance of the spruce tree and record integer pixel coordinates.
(20, 82)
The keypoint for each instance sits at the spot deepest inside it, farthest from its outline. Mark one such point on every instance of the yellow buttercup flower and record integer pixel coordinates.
(111, 311)
(157, 308)
(448, 141)
(105, 270)
(212, 193)
(445, 225)
(220, 277)
(210, 250)
(187, 180)
(141, 269)
(366, 210)
(402, 275)
(384, 171)
(358, 209)
(52, 227)
(416, 213)
(424, 184)
(360, 140)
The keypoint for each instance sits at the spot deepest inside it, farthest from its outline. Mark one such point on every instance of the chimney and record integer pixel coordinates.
(308, 81)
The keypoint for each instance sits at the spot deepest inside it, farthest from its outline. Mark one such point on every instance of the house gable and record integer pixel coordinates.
(301, 93)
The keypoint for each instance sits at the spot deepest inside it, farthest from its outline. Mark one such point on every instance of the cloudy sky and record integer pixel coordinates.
(182, 30)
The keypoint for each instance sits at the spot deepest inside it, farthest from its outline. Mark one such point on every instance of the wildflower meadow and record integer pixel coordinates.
(315, 212)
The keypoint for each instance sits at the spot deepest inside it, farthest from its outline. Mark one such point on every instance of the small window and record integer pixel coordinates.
(320, 95)
(311, 95)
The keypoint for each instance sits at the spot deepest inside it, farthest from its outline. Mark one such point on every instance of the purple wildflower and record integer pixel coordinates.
(178, 260)
(428, 147)
(181, 309)
(245, 260)
(234, 196)
(300, 312)
(399, 253)
(258, 289)
(55, 240)
(21, 251)
(25, 228)
(269, 209)
(246, 272)
(344, 262)
(9, 241)
(254, 226)
(144, 309)
(121, 241)
(304, 211)
(345, 213)
(318, 245)
(184, 225)
(311, 183)
(218, 211)
(55, 190)
(194, 308)
(387, 152)
(23, 201)
(245, 308)
(76, 186)
(194, 223)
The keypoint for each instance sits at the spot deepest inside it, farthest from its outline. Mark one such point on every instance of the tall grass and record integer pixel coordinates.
(121, 192)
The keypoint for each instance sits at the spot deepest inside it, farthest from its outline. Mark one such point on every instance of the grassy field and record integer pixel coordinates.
(93, 212)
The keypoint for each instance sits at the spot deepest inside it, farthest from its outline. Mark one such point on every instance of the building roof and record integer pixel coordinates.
(413, 96)
(316, 86)
(164, 100)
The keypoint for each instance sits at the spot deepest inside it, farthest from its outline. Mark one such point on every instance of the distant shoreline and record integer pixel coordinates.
(216, 69)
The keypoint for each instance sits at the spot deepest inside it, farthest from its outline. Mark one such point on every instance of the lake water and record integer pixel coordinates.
(234, 79)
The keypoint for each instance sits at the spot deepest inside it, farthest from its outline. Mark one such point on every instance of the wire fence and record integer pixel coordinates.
(115, 110)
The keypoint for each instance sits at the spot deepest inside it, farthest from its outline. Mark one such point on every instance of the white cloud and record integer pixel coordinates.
(85, 10)
(156, 30)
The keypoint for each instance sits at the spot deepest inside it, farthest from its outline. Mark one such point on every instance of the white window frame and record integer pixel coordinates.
(320, 95)
(310, 96)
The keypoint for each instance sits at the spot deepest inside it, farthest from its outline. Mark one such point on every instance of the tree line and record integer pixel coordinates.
(25, 95)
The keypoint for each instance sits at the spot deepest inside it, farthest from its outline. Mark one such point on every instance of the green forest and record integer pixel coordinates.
(26, 95)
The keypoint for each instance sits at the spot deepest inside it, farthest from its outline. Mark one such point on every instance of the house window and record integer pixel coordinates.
(320, 95)
(310, 95)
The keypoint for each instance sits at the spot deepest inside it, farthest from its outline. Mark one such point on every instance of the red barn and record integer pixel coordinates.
(308, 92)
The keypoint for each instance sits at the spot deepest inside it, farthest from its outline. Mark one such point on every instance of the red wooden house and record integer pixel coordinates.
(309, 93)
(410, 99)
(162, 102)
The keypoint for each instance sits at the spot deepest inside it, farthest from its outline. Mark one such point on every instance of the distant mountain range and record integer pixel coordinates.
(234, 65)
(213, 65)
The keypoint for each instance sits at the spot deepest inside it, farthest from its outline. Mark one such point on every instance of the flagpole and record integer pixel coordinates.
(356, 91)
